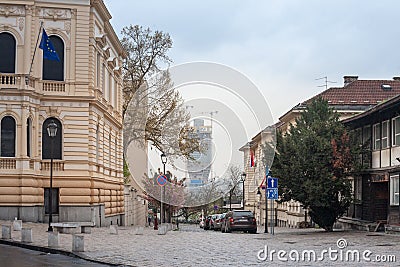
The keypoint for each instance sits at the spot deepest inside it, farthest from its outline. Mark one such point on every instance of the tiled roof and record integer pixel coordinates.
(361, 92)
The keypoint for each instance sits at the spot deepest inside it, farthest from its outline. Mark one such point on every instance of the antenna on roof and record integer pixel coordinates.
(326, 82)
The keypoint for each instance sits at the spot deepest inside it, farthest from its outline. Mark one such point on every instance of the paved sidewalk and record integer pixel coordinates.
(192, 246)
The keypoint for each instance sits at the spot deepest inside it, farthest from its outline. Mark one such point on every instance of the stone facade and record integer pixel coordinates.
(86, 104)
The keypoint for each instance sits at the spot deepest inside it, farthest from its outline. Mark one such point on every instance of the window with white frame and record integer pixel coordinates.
(376, 136)
(357, 188)
(396, 131)
(394, 190)
(385, 134)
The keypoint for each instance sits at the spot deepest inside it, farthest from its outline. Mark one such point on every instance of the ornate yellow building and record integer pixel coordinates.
(82, 94)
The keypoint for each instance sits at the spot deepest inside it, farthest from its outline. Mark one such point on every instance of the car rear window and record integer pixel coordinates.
(243, 213)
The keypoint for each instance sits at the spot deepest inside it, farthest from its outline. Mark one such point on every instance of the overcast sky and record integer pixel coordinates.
(282, 46)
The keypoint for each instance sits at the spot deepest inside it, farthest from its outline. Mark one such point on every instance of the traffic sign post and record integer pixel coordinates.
(272, 182)
(272, 193)
(161, 180)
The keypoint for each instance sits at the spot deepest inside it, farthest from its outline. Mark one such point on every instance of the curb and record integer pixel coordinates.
(54, 251)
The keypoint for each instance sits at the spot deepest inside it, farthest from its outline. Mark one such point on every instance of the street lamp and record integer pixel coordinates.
(164, 161)
(266, 211)
(242, 180)
(52, 132)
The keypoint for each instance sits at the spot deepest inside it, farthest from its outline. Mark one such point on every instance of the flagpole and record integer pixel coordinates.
(34, 52)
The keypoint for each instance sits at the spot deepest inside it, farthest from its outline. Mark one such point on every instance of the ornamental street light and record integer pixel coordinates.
(242, 180)
(164, 161)
(52, 132)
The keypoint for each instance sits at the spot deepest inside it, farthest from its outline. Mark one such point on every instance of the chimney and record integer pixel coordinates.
(396, 78)
(349, 79)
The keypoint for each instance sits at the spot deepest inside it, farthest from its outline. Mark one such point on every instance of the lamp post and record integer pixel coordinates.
(164, 161)
(52, 132)
(242, 180)
(266, 210)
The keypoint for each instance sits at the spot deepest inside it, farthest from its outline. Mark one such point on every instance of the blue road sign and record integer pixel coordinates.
(272, 182)
(161, 180)
(272, 193)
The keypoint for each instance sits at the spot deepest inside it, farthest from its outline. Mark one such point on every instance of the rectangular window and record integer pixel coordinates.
(103, 85)
(110, 89)
(28, 137)
(376, 136)
(394, 190)
(54, 197)
(396, 131)
(366, 139)
(98, 70)
(115, 94)
(385, 134)
(358, 188)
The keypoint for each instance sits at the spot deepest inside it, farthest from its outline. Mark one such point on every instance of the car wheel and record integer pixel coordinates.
(253, 232)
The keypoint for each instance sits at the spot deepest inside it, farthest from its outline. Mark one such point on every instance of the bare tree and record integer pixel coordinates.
(153, 108)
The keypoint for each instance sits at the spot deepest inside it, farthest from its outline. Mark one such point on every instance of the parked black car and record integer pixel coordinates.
(240, 220)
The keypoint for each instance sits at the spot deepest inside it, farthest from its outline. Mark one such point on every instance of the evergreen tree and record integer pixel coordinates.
(313, 162)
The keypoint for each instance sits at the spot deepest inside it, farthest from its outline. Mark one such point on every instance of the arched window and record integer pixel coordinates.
(7, 53)
(57, 140)
(54, 70)
(8, 137)
(28, 136)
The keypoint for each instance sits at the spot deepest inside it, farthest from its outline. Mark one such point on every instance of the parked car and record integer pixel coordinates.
(213, 218)
(240, 220)
(218, 220)
(207, 222)
(201, 223)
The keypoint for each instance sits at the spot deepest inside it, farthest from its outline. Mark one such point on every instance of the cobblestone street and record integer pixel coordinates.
(192, 246)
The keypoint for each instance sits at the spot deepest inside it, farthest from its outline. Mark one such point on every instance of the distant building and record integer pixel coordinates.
(199, 168)
(81, 94)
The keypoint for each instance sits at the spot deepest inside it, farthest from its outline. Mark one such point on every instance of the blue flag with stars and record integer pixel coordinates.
(48, 49)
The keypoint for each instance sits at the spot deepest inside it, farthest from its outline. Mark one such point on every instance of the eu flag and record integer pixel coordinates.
(48, 49)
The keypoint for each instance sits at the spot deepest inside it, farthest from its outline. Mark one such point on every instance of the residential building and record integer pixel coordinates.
(376, 190)
(81, 94)
(255, 169)
(355, 97)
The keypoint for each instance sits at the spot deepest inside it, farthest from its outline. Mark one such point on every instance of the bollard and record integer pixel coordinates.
(78, 243)
(139, 230)
(53, 240)
(26, 235)
(6, 231)
(162, 230)
(114, 229)
(17, 225)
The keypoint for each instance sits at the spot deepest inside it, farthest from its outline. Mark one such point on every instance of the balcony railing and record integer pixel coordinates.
(53, 86)
(15, 81)
(8, 164)
(57, 165)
